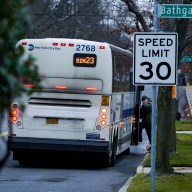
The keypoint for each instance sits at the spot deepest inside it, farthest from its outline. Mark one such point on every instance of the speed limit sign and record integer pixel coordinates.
(155, 58)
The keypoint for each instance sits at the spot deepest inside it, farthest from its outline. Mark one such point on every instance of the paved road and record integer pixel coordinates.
(78, 175)
(68, 177)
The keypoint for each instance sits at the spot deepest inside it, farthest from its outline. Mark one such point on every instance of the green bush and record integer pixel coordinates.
(14, 22)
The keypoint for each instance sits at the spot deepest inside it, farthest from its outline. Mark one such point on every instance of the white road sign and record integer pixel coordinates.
(155, 58)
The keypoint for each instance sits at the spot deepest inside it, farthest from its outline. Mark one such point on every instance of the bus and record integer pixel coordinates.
(86, 104)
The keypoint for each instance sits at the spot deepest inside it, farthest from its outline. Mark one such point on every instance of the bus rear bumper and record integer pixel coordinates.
(23, 143)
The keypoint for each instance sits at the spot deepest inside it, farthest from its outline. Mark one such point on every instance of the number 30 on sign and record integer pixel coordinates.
(155, 58)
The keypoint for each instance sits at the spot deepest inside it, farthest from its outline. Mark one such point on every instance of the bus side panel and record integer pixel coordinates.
(122, 114)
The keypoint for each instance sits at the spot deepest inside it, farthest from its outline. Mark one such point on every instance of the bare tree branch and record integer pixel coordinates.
(134, 9)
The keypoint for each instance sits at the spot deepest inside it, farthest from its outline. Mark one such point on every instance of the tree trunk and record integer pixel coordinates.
(164, 107)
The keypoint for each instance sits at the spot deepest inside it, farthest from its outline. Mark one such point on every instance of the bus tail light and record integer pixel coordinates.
(15, 115)
(29, 85)
(103, 122)
(60, 87)
(14, 112)
(91, 89)
(103, 117)
(14, 118)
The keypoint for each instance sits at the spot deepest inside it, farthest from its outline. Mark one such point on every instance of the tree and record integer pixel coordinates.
(165, 104)
(14, 22)
(81, 19)
(166, 142)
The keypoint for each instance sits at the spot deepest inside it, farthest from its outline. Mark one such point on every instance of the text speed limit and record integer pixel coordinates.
(155, 58)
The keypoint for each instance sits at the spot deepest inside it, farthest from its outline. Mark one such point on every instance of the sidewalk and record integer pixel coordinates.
(141, 169)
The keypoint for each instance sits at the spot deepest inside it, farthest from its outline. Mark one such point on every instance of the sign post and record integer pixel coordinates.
(154, 109)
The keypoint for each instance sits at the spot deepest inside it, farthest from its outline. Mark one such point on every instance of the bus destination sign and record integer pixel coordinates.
(84, 60)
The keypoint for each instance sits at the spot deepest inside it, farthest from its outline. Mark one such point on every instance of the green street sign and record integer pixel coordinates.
(186, 59)
(176, 10)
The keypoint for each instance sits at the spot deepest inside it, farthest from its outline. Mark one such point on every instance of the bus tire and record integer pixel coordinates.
(106, 160)
(127, 151)
(23, 162)
(114, 151)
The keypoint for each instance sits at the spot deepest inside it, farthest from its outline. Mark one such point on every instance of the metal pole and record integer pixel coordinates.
(154, 109)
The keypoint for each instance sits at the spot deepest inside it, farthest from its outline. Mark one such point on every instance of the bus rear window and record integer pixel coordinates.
(84, 60)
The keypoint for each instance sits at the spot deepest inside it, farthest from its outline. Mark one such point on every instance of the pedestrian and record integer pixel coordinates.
(140, 129)
(145, 115)
(137, 133)
(178, 116)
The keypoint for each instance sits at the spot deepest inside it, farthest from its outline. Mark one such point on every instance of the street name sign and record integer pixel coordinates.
(155, 58)
(176, 10)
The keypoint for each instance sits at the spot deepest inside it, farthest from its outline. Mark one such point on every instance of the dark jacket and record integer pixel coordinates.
(145, 113)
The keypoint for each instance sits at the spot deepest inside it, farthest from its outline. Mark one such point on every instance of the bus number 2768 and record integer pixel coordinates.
(85, 48)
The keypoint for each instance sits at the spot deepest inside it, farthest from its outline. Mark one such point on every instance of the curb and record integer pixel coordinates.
(140, 169)
(126, 186)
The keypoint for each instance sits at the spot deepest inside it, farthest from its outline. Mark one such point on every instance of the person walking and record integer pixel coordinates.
(145, 115)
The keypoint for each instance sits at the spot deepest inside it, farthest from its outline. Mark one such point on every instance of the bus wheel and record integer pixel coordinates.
(23, 162)
(114, 151)
(127, 151)
(106, 160)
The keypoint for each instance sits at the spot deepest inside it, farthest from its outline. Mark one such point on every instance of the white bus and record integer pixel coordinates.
(86, 103)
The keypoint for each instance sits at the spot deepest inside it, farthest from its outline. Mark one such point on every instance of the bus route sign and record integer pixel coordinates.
(155, 58)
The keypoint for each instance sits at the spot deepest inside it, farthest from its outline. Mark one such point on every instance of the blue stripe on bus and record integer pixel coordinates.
(128, 112)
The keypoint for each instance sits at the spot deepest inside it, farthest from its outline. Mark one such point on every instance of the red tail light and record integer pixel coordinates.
(91, 89)
(103, 122)
(60, 87)
(14, 112)
(14, 118)
(103, 116)
(29, 85)
(15, 115)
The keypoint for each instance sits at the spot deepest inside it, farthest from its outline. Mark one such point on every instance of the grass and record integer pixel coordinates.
(183, 125)
(183, 156)
(178, 182)
(171, 183)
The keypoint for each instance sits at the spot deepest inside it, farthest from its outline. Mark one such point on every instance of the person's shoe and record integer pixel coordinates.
(149, 148)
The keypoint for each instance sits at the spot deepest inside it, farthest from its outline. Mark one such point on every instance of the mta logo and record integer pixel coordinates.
(30, 47)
